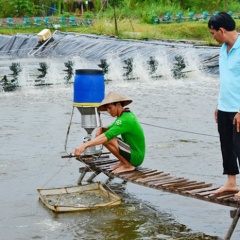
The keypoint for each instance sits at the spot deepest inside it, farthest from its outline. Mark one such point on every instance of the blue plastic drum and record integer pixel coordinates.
(89, 87)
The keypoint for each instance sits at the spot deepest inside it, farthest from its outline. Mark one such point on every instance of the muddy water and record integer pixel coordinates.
(181, 136)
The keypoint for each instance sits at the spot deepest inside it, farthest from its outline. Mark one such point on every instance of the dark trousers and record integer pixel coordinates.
(230, 143)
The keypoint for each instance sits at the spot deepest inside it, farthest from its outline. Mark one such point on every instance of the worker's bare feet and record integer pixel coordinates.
(113, 167)
(226, 188)
(124, 168)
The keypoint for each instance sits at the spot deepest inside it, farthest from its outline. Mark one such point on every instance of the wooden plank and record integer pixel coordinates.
(142, 171)
(105, 162)
(175, 185)
(103, 166)
(153, 177)
(102, 160)
(148, 175)
(121, 175)
(225, 197)
(163, 181)
(148, 171)
(151, 183)
(175, 180)
(200, 194)
(136, 177)
(152, 173)
(158, 179)
(97, 160)
(215, 196)
(99, 164)
(195, 186)
(196, 191)
(127, 175)
(184, 188)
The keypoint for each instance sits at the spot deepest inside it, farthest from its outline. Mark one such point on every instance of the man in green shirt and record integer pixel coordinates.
(130, 148)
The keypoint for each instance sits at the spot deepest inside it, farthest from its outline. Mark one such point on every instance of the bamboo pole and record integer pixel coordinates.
(236, 214)
(115, 19)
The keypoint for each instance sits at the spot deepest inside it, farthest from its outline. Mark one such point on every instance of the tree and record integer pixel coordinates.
(21, 8)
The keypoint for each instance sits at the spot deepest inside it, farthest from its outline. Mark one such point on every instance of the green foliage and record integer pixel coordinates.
(144, 9)
(88, 15)
(97, 6)
(136, 9)
(68, 6)
(116, 3)
(20, 8)
(234, 6)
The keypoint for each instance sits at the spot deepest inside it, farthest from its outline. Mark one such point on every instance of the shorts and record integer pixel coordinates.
(124, 150)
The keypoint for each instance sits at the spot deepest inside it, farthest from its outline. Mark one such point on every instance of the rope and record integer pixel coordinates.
(69, 154)
(66, 140)
(56, 173)
(178, 130)
(173, 129)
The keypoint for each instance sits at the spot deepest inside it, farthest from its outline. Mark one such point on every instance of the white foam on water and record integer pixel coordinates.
(50, 225)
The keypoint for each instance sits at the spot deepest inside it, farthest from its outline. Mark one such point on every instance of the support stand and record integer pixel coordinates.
(94, 174)
(83, 172)
(235, 214)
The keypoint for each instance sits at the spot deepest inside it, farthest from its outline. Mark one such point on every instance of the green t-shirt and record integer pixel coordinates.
(131, 133)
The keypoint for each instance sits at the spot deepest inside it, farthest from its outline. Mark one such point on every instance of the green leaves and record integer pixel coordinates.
(18, 8)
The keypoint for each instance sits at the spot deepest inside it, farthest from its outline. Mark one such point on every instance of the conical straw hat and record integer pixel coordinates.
(113, 97)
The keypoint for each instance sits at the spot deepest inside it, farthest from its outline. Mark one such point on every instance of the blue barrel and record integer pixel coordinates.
(89, 87)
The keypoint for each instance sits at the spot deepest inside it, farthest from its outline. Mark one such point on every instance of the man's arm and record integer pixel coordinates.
(100, 130)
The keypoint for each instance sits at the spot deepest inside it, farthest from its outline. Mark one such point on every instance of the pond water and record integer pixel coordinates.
(181, 138)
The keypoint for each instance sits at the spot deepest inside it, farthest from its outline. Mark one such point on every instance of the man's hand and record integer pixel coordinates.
(236, 121)
(216, 115)
(96, 141)
(79, 150)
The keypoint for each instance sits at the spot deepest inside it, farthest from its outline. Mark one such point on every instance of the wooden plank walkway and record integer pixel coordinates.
(161, 181)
